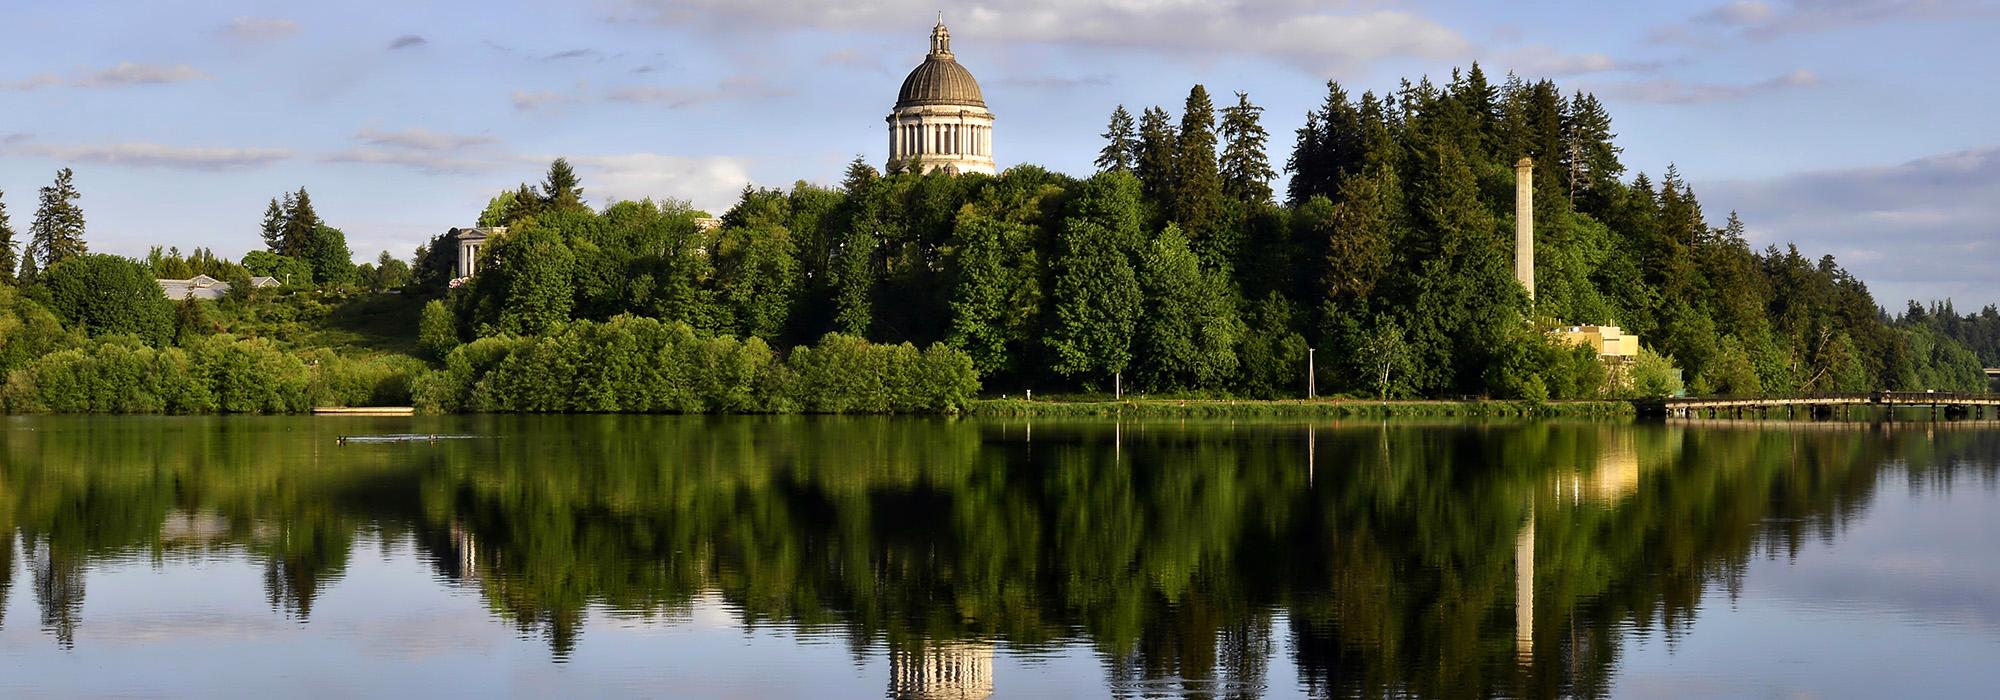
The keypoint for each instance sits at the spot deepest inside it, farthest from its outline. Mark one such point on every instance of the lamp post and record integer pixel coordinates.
(1312, 379)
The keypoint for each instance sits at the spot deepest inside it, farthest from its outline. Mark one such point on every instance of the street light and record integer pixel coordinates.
(1312, 381)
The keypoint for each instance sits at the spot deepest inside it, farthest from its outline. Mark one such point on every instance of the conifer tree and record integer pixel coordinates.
(1590, 158)
(1246, 168)
(1121, 144)
(1158, 147)
(57, 232)
(561, 187)
(1305, 163)
(301, 224)
(273, 229)
(1197, 196)
(9, 255)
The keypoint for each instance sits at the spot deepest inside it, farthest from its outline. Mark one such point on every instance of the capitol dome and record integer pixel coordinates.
(939, 80)
(940, 120)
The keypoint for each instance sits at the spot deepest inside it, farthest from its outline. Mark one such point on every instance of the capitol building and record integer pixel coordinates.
(940, 120)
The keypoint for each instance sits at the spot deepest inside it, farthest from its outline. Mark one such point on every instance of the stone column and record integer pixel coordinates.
(1524, 225)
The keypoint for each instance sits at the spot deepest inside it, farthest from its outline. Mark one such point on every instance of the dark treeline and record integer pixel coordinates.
(1174, 270)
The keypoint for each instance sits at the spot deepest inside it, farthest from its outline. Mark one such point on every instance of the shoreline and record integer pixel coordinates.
(1285, 408)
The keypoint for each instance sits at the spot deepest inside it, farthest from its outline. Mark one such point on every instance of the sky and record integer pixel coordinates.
(1863, 129)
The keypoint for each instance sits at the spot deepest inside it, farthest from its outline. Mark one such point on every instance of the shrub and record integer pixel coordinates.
(437, 330)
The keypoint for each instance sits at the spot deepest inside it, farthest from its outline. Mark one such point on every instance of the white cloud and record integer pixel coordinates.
(125, 74)
(258, 29)
(712, 183)
(1307, 34)
(152, 155)
(423, 150)
(422, 139)
(33, 82)
(1684, 93)
(530, 101)
(430, 162)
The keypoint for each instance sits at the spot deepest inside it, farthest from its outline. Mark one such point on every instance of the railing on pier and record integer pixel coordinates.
(1950, 402)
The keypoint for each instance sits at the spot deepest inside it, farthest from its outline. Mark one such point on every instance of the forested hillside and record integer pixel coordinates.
(1178, 269)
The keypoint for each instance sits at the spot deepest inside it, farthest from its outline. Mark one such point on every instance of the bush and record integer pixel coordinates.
(1654, 376)
(373, 381)
(437, 330)
(641, 365)
(123, 375)
(106, 295)
(28, 330)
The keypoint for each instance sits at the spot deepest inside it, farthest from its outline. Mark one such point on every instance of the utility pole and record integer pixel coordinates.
(1118, 385)
(1312, 378)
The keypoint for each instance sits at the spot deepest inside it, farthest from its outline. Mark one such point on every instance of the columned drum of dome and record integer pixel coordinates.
(940, 120)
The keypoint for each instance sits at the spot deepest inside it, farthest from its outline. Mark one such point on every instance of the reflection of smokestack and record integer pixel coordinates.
(1524, 590)
(1524, 224)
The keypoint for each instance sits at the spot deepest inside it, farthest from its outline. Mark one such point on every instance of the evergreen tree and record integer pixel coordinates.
(273, 229)
(1590, 159)
(1158, 148)
(561, 187)
(57, 232)
(301, 224)
(1246, 168)
(9, 253)
(1121, 145)
(1306, 163)
(1197, 196)
(525, 203)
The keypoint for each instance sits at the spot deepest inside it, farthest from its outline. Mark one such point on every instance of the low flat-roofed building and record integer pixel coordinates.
(1609, 342)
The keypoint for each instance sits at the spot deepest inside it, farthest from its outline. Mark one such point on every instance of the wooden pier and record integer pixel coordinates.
(1941, 404)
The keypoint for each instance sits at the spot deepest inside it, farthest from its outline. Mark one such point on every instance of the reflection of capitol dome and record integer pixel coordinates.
(940, 119)
(948, 671)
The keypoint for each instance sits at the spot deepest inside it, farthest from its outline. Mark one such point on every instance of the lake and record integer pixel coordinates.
(936, 558)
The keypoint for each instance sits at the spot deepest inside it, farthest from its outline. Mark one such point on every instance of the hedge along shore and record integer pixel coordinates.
(1334, 408)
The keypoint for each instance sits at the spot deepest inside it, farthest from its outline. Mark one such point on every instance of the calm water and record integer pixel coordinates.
(829, 558)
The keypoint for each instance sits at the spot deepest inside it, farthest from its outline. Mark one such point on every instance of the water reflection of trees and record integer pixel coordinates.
(1394, 557)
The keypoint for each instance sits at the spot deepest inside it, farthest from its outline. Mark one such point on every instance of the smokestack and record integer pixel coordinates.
(1524, 224)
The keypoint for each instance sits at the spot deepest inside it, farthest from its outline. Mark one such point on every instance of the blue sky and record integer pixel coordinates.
(1860, 128)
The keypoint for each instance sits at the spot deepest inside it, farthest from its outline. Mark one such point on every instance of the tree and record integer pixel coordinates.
(1384, 353)
(561, 188)
(1188, 330)
(996, 279)
(1246, 168)
(390, 273)
(326, 252)
(273, 230)
(1121, 144)
(9, 253)
(1158, 148)
(107, 295)
(437, 330)
(530, 272)
(57, 233)
(756, 270)
(301, 224)
(1197, 196)
(1097, 302)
